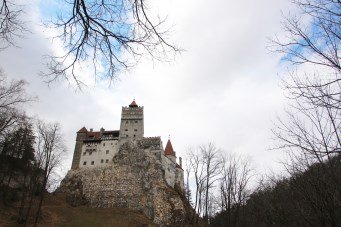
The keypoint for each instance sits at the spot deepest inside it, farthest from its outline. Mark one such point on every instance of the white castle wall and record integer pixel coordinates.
(97, 151)
(169, 167)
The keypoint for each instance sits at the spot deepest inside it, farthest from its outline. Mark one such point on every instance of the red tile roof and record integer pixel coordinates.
(169, 148)
(95, 135)
(83, 130)
(133, 104)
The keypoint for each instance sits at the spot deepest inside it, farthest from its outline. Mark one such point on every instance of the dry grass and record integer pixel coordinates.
(56, 212)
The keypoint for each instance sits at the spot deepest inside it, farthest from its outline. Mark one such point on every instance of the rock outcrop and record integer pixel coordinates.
(135, 181)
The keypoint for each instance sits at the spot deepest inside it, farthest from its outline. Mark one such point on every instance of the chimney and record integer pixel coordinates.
(91, 130)
(102, 130)
(180, 162)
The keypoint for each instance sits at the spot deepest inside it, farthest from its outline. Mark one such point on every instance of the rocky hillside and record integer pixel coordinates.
(135, 181)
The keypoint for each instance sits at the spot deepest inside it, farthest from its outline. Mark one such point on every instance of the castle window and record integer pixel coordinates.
(102, 161)
(135, 121)
(103, 144)
(90, 153)
(135, 130)
(84, 163)
(106, 161)
(126, 135)
(134, 135)
(107, 152)
(127, 122)
(84, 153)
(92, 163)
(126, 130)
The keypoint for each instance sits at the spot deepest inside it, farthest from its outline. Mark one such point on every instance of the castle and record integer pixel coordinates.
(98, 148)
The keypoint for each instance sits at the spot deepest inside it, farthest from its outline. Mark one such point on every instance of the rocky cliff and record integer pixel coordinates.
(135, 181)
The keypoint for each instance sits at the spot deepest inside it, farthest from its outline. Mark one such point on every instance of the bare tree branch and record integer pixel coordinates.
(108, 36)
(11, 25)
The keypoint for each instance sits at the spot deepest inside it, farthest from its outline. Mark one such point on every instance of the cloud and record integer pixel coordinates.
(223, 88)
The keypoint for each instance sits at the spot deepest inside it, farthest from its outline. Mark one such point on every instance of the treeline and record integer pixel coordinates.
(216, 181)
(310, 198)
(30, 152)
(309, 133)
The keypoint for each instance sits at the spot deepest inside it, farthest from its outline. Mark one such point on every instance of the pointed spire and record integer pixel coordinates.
(133, 104)
(169, 148)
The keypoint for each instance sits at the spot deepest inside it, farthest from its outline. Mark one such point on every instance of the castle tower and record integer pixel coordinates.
(132, 126)
(81, 135)
(169, 152)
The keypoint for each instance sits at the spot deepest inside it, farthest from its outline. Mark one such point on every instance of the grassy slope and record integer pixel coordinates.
(56, 212)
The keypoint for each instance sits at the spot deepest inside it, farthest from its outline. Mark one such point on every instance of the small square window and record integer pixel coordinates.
(90, 153)
(84, 153)
(102, 161)
(107, 160)
(84, 163)
(135, 130)
(92, 163)
(127, 122)
(126, 135)
(135, 121)
(134, 135)
(126, 130)
(107, 152)
(103, 144)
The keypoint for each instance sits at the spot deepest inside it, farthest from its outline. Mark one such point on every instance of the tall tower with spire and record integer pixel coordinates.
(132, 125)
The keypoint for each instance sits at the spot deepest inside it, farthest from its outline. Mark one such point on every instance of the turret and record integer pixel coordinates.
(169, 152)
(132, 126)
(81, 135)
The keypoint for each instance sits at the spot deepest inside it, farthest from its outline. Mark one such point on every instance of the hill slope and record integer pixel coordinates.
(57, 212)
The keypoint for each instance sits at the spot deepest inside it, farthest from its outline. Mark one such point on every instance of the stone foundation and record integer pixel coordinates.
(135, 181)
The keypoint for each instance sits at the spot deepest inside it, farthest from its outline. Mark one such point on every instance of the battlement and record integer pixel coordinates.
(150, 142)
(132, 113)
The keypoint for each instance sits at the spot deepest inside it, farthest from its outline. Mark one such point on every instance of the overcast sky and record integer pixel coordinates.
(224, 88)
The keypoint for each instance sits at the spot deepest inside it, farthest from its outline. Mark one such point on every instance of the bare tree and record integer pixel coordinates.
(188, 170)
(313, 38)
(317, 43)
(12, 98)
(11, 25)
(49, 153)
(310, 131)
(112, 35)
(107, 36)
(204, 164)
(212, 164)
(234, 183)
(197, 168)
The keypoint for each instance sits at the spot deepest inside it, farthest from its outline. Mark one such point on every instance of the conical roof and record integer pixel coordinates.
(169, 148)
(133, 104)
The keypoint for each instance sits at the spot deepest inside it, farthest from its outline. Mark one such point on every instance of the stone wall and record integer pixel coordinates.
(135, 180)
